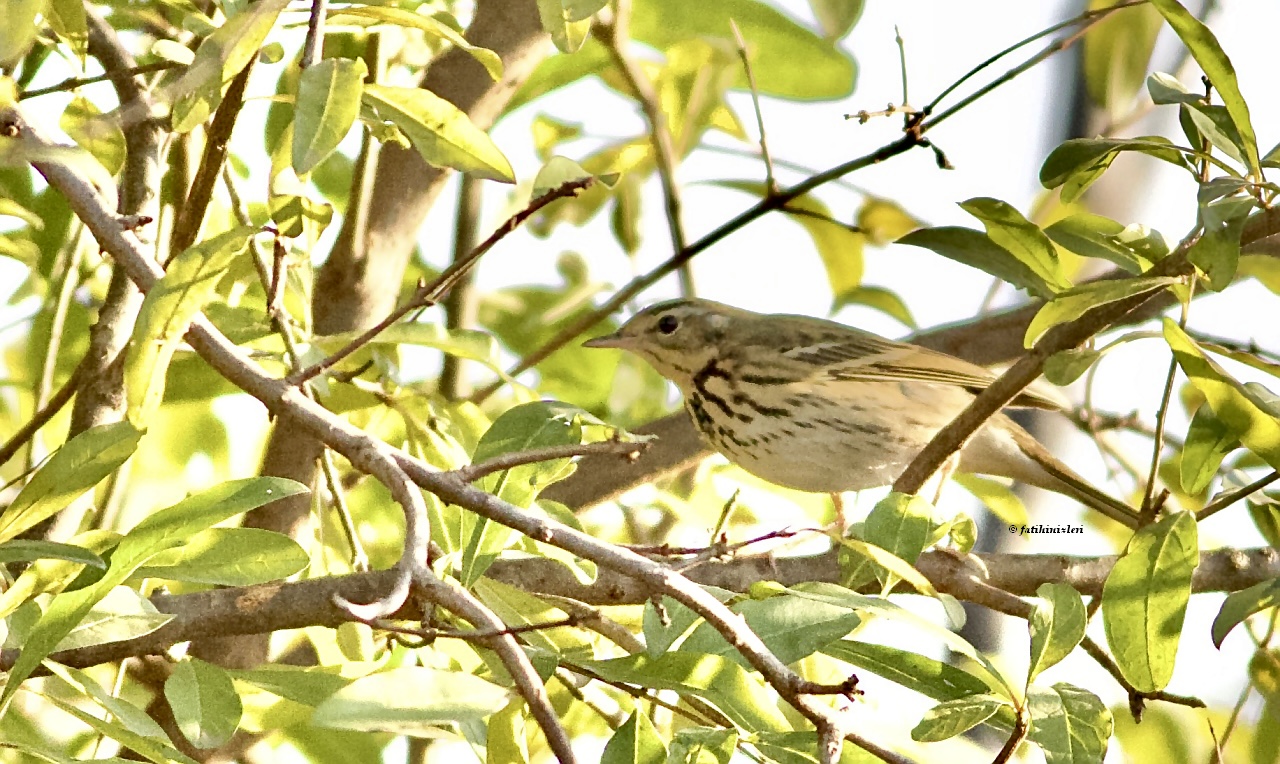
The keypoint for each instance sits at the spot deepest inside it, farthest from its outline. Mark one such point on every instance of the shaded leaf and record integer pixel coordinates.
(327, 105)
(1208, 442)
(1020, 238)
(1057, 625)
(1077, 163)
(1070, 725)
(1075, 302)
(977, 250)
(791, 627)
(635, 742)
(400, 17)
(955, 717)
(205, 705)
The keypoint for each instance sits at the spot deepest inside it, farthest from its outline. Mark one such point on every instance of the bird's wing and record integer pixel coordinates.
(855, 355)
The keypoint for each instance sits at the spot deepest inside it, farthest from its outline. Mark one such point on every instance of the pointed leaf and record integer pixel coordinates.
(791, 627)
(635, 742)
(1233, 404)
(736, 692)
(1205, 49)
(30, 550)
(432, 26)
(955, 717)
(441, 133)
(327, 105)
(977, 250)
(1075, 302)
(410, 700)
(927, 676)
(76, 467)
(1208, 442)
(1057, 625)
(205, 705)
(153, 535)
(1020, 237)
(1070, 725)
(229, 557)
(1077, 163)
(188, 283)
(1240, 605)
(1144, 600)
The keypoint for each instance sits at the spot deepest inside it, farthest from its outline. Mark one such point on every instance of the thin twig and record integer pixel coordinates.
(473, 472)
(1149, 492)
(1087, 18)
(640, 283)
(313, 48)
(615, 38)
(72, 83)
(1136, 696)
(1227, 499)
(770, 181)
(428, 294)
(39, 419)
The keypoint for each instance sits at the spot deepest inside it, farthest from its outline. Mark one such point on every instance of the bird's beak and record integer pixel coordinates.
(615, 340)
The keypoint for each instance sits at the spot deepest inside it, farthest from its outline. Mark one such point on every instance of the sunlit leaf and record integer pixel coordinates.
(1057, 625)
(1145, 599)
(955, 717)
(410, 700)
(432, 26)
(443, 134)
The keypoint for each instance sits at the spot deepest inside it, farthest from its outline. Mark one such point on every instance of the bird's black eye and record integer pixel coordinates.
(668, 324)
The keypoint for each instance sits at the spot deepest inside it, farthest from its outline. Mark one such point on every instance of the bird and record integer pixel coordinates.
(818, 406)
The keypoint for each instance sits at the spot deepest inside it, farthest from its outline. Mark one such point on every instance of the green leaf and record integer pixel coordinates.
(662, 631)
(1075, 302)
(1057, 625)
(568, 21)
(895, 568)
(1238, 606)
(877, 298)
(221, 56)
(1166, 89)
(554, 173)
(429, 24)
(1212, 122)
(1208, 442)
(704, 745)
(120, 615)
(29, 550)
(900, 524)
(309, 686)
(158, 751)
(19, 28)
(927, 676)
(1117, 50)
(955, 717)
(1213, 61)
(229, 557)
(1235, 406)
(1066, 366)
(1077, 163)
(836, 17)
(100, 136)
(736, 692)
(1133, 248)
(205, 705)
(1008, 229)
(789, 61)
(1145, 598)
(75, 468)
(411, 700)
(443, 134)
(635, 742)
(53, 575)
(132, 717)
(67, 18)
(296, 215)
(529, 426)
(1217, 252)
(1070, 725)
(158, 532)
(189, 282)
(791, 627)
(517, 607)
(977, 250)
(327, 105)
(838, 595)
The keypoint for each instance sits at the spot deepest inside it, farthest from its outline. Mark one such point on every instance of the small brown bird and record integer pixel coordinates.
(818, 406)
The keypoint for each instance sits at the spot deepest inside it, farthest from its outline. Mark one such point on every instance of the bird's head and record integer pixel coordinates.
(678, 338)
